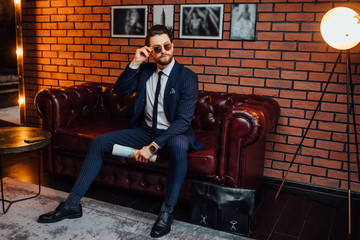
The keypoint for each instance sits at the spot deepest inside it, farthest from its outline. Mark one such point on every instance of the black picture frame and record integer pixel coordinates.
(129, 21)
(201, 21)
(243, 21)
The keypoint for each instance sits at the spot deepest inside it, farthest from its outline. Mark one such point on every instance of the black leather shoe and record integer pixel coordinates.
(61, 212)
(162, 225)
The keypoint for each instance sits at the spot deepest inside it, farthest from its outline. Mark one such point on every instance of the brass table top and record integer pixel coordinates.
(12, 139)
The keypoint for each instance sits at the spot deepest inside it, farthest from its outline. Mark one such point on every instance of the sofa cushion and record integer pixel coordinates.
(204, 162)
(77, 139)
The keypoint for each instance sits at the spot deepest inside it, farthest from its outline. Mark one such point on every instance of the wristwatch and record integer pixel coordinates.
(153, 149)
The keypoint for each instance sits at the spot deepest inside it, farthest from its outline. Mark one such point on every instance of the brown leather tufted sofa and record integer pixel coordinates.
(232, 127)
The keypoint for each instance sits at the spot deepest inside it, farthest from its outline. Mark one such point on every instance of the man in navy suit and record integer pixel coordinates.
(167, 93)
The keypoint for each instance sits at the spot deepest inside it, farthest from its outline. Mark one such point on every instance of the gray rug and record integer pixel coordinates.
(100, 220)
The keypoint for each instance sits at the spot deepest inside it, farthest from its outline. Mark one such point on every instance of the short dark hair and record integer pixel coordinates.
(157, 30)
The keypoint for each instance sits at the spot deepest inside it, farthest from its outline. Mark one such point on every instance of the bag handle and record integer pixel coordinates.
(222, 180)
(236, 193)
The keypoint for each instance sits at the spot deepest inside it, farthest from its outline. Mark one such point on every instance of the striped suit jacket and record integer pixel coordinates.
(180, 97)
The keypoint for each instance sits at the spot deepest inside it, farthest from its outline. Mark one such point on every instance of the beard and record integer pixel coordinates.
(164, 61)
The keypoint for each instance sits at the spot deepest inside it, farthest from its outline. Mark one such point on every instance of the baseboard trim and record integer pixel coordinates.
(310, 190)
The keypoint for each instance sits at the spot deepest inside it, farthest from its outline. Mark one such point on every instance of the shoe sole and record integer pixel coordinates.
(77, 215)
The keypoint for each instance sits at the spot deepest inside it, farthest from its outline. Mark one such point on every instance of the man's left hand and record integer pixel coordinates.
(143, 154)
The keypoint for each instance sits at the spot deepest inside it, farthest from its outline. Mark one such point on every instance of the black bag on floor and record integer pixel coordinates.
(222, 208)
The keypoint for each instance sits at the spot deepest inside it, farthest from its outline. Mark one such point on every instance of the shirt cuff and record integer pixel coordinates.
(157, 146)
(133, 67)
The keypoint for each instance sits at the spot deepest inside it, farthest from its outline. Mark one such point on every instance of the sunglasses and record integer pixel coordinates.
(158, 48)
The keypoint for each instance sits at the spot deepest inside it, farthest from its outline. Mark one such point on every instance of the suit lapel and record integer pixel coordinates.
(171, 90)
(173, 78)
(147, 74)
(141, 94)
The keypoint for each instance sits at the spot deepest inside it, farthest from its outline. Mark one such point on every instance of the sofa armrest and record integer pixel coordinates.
(63, 106)
(242, 140)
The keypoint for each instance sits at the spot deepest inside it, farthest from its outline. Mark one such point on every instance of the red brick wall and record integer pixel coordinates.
(68, 42)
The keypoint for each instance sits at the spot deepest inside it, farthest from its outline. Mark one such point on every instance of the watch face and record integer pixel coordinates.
(152, 149)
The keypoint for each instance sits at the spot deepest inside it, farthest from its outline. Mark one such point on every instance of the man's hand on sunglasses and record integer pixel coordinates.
(141, 55)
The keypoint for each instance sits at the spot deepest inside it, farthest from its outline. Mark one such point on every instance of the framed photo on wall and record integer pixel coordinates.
(201, 21)
(164, 15)
(129, 21)
(243, 21)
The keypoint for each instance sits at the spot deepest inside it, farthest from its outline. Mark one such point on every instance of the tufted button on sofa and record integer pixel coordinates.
(232, 127)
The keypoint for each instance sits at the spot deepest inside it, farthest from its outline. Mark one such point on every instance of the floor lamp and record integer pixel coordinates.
(340, 28)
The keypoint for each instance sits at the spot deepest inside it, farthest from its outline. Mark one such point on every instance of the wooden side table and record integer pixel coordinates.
(17, 140)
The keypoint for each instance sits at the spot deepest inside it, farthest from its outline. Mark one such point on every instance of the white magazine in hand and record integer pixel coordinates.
(124, 151)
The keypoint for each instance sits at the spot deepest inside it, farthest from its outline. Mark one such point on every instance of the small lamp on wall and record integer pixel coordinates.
(20, 60)
(340, 28)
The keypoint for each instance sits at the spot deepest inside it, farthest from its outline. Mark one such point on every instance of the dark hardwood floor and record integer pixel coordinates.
(291, 216)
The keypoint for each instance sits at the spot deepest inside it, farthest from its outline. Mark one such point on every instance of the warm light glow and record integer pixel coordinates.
(17, 1)
(340, 28)
(21, 100)
(19, 52)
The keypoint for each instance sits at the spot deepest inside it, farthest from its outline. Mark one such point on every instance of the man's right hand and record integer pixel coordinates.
(141, 55)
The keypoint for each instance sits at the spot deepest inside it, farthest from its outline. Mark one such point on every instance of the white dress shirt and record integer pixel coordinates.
(162, 122)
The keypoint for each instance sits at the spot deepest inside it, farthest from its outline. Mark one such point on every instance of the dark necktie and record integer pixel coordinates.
(155, 108)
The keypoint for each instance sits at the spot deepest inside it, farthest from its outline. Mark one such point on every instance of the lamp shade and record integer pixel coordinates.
(340, 28)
